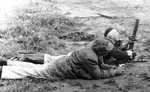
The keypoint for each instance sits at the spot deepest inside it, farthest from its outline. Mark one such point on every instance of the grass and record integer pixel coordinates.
(37, 30)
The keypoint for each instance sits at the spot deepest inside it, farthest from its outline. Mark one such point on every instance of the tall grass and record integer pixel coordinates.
(37, 31)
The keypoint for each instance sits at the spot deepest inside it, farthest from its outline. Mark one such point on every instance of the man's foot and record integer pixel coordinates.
(0, 71)
(3, 61)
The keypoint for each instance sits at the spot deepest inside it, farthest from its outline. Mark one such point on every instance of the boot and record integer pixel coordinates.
(3, 61)
(1, 71)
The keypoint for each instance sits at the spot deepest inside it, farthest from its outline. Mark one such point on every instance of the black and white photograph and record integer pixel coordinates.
(74, 45)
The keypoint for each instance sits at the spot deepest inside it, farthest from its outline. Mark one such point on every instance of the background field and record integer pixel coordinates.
(58, 27)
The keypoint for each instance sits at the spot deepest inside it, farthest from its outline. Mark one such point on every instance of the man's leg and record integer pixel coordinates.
(17, 69)
(0, 71)
(32, 58)
(16, 63)
(19, 72)
(3, 61)
(22, 64)
(50, 58)
(36, 58)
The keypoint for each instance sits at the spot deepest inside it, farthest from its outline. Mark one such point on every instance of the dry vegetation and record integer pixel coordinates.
(37, 30)
(41, 27)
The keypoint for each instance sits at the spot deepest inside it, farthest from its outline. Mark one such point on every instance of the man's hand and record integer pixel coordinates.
(132, 39)
(131, 54)
(120, 69)
(118, 43)
(130, 42)
(107, 67)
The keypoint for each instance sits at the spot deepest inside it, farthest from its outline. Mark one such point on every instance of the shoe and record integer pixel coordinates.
(3, 61)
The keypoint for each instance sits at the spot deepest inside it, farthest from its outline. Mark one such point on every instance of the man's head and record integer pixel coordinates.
(101, 46)
(112, 33)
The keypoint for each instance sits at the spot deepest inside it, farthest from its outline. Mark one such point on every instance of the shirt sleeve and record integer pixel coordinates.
(91, 66)
(119, 55)
(124, 46)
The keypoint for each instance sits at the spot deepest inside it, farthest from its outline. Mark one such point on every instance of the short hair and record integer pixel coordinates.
(100, 44)
(107, 31)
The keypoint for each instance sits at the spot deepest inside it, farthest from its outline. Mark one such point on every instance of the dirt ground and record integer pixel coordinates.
(137, 77)
(122, 16)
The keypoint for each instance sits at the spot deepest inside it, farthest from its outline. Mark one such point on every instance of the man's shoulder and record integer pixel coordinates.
(85, 50)
(87, 53)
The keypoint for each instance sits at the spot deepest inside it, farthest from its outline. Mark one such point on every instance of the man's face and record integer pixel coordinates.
(107, 50)
(114, 34)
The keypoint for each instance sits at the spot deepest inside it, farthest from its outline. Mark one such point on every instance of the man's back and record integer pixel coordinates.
(80, 59)
(74, 66)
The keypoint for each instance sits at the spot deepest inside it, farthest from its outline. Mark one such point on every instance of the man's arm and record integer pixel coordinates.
(95, 72)
(124, 46)
(119, 55)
